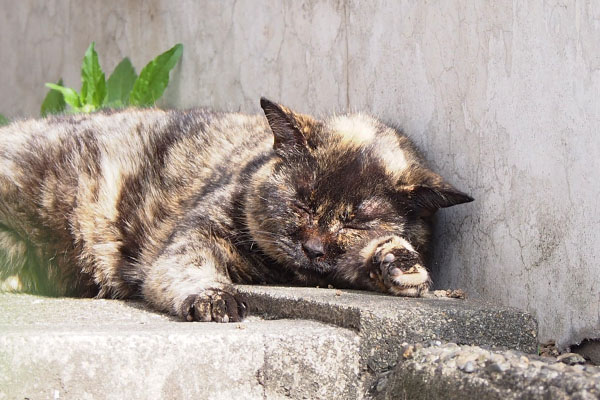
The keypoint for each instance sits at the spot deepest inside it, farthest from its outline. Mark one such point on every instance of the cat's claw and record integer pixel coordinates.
(213, 305)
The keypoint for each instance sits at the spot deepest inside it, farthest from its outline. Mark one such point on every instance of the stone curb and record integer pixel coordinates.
(110, 349)
(82, 348)
(385, 322)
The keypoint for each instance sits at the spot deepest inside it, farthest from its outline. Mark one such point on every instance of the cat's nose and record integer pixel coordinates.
(313, 248)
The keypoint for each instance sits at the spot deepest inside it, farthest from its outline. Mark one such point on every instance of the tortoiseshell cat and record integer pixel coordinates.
(175, 206)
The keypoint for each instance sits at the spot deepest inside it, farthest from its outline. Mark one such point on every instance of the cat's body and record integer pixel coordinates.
(175, 206)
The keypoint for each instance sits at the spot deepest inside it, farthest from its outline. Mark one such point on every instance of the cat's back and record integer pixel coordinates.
(92, 159)
(103, 184)
(104, 158)
(120, 143)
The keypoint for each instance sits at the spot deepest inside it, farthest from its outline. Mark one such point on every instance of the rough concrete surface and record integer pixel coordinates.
(385, 322)
(108, 349)
(455, 372)
(501, 96)
(83, 348)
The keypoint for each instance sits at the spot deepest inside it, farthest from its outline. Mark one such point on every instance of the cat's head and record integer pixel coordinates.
(336, 185)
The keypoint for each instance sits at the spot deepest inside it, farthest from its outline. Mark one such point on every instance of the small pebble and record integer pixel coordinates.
(468, 367)
(465, 358)
(408, 353)
(497, 358)
(497, 367)
(457, 294)
(571, 358)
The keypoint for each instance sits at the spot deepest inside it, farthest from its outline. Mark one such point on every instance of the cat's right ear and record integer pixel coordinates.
(290, 130)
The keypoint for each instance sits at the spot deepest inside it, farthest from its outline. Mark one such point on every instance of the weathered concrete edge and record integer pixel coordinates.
(379, 325)
(271, 306)
(443, 319)
(84, 348)
(469, 372)
(384, 324)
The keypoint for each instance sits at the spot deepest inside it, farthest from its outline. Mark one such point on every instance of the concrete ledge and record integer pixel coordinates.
(299, 343)
(385, 322)
(83, 349)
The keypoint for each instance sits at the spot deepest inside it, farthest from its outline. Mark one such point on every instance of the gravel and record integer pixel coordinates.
(450, 371)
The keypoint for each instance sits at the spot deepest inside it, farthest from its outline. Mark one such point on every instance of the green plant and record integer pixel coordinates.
(124, 87)
(54, 102)
(3, 120)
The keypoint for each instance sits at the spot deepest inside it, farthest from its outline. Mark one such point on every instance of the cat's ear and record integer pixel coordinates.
(427, 197)
(291, 131)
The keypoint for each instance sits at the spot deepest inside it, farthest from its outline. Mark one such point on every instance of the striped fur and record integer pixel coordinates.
(175, 206)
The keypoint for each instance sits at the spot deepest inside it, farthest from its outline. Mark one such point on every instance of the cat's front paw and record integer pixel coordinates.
(213, 305)
(397, 266)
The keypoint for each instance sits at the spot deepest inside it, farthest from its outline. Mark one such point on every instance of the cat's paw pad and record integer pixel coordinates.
(213, 305)
(400, 268)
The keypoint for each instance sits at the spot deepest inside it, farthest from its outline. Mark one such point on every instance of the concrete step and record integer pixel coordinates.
(84, 349)
(299, 343)
(385, 322)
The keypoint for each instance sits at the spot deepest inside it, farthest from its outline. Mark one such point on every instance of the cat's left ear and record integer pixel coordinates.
(428, 197)
(291, 131)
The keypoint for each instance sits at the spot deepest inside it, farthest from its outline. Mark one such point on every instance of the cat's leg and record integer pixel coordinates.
(13, 258)
(23, 267)
(190, 279)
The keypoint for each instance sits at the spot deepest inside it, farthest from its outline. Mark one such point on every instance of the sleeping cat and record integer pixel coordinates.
(176, 206)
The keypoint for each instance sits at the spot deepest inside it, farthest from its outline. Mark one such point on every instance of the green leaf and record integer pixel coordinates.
(70, 96)
(154, 78)
(54, 102)
(93, 81)
(119, 84)
(4, 120)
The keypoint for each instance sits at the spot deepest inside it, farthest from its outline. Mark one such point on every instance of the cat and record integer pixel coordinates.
(175, 207)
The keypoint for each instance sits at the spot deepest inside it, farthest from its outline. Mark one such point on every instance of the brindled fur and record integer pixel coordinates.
(175, 206)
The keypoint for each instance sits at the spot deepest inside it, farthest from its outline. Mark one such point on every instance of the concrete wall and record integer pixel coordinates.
(503, 97)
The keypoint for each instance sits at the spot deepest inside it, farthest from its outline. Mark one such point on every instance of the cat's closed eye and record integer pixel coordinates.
(303, 212)
(301, 207)
(349, 221)
(356, 226)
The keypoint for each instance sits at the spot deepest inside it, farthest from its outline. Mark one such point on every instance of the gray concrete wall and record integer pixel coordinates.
(503, 97)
